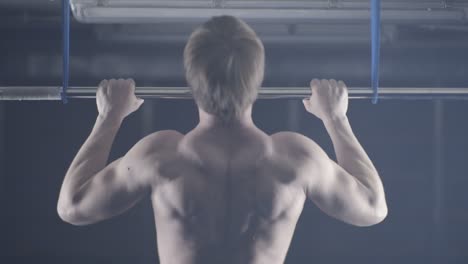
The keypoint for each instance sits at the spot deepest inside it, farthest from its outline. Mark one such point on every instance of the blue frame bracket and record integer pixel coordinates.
(375, 50)
(66, 49)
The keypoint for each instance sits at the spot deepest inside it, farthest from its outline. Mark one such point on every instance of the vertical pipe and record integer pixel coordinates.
(438, 181)
(2, 173)
(66, 49)
(375, 48)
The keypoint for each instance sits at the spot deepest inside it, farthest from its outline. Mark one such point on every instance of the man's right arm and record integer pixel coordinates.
(351, 190)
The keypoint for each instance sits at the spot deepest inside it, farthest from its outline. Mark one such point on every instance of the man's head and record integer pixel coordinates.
(224, 64)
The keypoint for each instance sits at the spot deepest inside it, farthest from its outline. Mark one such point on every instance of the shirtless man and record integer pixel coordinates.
(226, 192)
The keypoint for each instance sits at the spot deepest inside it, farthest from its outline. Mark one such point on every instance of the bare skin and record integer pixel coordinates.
(223, 194)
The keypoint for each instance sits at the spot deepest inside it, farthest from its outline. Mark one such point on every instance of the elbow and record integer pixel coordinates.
(380, 209)
(68, 214)
(380, 213)
(377, 209)
(377, 216)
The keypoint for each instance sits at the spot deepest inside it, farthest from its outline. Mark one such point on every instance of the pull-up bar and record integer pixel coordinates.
(374, 93)
(400, 93)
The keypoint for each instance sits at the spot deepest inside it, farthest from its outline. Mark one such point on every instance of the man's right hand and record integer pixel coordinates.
(117, 98)
(329, 99)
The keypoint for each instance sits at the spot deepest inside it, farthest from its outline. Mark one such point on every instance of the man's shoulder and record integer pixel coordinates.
(153, 150)
(293, 141)
(163, 137)
(157, 142)
(298, 149)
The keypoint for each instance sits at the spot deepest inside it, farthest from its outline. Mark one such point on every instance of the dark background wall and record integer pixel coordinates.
(419, 147)
(426, 189)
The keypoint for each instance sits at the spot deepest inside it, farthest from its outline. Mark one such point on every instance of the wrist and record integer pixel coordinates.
(335, 118)
(110, 119)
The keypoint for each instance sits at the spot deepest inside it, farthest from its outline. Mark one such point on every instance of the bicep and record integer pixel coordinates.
(110, 192)
(122, 183)
(337, 193)
(328, 185)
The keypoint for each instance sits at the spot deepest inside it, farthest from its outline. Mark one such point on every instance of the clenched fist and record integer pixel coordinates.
(329, 99)
(116, 98)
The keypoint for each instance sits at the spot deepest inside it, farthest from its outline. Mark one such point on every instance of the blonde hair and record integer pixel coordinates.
(224, 64)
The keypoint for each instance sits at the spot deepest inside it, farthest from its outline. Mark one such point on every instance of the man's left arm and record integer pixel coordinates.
(92, 192)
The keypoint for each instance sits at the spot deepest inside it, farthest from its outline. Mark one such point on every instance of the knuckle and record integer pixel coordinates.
(324, 82)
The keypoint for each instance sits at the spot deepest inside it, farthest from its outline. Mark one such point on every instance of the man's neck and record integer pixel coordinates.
(211, 121)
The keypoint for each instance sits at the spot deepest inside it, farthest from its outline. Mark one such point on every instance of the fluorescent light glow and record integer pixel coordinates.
(148, 11)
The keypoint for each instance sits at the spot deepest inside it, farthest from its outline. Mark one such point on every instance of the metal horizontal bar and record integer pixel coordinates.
(399, 93)
(153, 15)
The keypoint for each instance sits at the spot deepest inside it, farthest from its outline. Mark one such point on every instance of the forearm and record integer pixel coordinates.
(91, 158)
(350, 154)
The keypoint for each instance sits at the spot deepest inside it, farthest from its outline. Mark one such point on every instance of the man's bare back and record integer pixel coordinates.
(223, 193)
(226, 196)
